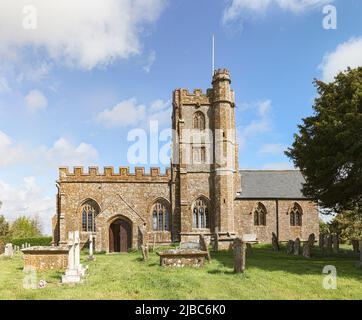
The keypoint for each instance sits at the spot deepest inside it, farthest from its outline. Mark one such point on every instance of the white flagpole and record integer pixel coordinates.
(213, 54)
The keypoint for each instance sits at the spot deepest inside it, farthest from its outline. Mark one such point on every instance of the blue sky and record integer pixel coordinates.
(78, 79)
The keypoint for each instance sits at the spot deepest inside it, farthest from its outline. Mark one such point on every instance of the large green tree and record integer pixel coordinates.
(328, 148)
(25, 227)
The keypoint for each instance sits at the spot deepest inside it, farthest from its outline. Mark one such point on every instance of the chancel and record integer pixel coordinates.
(197, 195)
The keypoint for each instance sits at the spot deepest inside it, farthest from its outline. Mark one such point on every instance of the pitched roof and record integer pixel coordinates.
(268, 184)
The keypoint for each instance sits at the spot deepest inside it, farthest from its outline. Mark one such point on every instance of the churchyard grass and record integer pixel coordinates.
(269, 275)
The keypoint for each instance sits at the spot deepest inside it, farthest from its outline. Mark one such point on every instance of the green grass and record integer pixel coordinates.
(269, 275)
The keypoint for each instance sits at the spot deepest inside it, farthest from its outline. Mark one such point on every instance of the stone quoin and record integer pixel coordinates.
(202, 193)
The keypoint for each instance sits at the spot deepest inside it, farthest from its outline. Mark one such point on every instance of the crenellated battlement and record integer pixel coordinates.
(79, 174)
(197, 97)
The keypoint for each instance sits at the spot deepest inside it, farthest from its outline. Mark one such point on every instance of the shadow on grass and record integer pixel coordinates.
(265, 259)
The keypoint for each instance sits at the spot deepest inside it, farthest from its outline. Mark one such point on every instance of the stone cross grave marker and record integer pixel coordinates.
(75, 271)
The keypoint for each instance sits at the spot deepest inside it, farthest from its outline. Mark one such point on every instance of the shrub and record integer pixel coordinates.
(37, 241)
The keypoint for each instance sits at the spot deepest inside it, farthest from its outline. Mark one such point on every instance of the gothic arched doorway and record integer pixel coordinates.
(120, 235)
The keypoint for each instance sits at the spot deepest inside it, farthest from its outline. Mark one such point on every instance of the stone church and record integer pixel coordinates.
(203, 192)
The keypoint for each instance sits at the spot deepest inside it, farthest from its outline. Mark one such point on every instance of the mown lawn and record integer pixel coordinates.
(269, 275)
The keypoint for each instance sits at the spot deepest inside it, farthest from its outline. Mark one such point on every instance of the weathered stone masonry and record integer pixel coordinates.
(202, 193)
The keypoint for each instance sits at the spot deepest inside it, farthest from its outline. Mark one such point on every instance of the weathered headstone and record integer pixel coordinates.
(311, 240)
(204, 246)
(239, 255)
(321, 240)
(306, 250)
(327, 244)
(275, 242)
(330, 244)
(91, 253)
(144, 250)
(308, 245)
(290, 247)
(9, 250)
(335, 243)
(143, 234)
(297, 247)
(216, 242)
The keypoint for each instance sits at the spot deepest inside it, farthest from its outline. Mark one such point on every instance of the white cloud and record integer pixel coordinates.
(27, 199)
(237, 8)
(9, 152)
(278, 166)
(35, 100)
(260, 125)
(4, 86)
(125, 113)
(347, 54)
(150, 61)
(62, 153)
(272, 149)
(129, 113)
(83, 34)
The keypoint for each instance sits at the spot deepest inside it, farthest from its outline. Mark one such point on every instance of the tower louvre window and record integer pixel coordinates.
(199, 120)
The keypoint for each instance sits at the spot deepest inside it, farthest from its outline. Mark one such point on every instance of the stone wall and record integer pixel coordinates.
(121, 195)
(244, 219)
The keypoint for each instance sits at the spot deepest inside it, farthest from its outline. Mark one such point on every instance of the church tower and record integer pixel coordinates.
(205, 177)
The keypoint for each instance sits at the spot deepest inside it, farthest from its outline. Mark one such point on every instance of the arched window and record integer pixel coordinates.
(296, 214)
(90, 211)
(199, 120)
(160, 217)
(201, 215)
(260, 215)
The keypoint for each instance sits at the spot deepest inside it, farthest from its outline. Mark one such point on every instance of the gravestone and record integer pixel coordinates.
(290, 247)
(75, 271)
(143, 234)
(335, 243)
(311, 240)
(275, 242)
(321, 240)
(306, 250)
(239, 256)
(329, 244)
(91, 253)
(9, 250)
(297, 247)
(216, 241)
(145, 251)
(325, 243)
(204, 246)
(308, 245)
